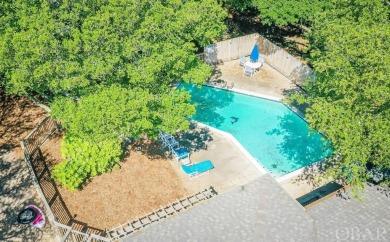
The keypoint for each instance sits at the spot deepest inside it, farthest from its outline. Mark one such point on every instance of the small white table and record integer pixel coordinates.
(254, 65)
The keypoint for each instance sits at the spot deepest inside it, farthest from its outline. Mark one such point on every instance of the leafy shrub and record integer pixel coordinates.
(112, 111)
(85, 159)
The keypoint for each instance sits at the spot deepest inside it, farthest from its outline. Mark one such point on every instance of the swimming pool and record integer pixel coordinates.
(271, 132)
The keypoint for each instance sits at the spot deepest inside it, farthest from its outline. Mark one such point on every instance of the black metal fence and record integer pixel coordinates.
(57, 212)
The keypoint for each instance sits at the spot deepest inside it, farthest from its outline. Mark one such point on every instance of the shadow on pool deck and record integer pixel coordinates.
(231, 167)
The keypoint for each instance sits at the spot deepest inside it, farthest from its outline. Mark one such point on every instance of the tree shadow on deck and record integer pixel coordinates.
(196, 139)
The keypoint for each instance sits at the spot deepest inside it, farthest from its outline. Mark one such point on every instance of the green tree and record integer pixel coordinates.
(287, 12)
(61, 48)
(281, 12)
(350, 95)
(109, 112)
(237, 5)
(95, 123)
(106, 67)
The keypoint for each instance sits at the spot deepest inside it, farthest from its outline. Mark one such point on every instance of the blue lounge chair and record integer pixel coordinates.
(200, 168)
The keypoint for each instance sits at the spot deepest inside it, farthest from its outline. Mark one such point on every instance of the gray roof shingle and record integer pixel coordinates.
(263, 211)
(343, 219)
(258, 211)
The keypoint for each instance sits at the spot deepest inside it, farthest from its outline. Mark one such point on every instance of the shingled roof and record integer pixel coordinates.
(263, 211)
(258, 211)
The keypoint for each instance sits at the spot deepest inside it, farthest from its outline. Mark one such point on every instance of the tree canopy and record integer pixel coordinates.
(95, 123)
(107, 69)
(350, 95)
(282, 12)
(60, 48)
(113, 111)
(286, 12)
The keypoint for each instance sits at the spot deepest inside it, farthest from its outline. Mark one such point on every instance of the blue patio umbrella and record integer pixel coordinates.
(255, 54)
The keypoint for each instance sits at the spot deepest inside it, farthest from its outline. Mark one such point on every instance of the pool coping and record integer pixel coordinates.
(246, 92)
(254, 161)
(255, 94)
(237, 144)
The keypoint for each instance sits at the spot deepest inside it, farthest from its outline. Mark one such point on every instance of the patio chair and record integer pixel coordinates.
(198, 169)
(182, 155)
(261, 59)
(168, 140)
(249, 71)
(242, 61)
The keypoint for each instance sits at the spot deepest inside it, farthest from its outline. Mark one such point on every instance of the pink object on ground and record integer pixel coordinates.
(39, 221)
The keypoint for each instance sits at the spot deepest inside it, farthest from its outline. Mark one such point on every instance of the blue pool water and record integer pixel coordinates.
(271, 132)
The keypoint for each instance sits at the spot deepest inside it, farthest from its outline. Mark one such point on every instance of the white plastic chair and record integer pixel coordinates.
(261, 59)
(242, 61)
(249, 71)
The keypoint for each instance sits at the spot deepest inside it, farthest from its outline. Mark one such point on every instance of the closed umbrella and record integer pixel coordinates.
(255, 54)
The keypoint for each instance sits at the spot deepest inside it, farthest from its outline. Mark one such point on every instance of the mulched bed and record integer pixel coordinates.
(144, 182)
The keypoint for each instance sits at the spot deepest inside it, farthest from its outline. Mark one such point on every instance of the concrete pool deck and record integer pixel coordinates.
(266, 82)
(232, 168)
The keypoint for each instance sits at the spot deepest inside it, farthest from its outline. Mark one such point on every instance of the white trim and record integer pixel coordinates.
(298, 172)
(254, 161)
(272, 98)
(238, 145)
(241, 91)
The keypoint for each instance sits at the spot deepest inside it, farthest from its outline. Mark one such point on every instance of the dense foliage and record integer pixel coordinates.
(106, 68)
(281, 12)
(286, 12)
(61, 47)
(113, 111)
(85, 159)
(350, 96)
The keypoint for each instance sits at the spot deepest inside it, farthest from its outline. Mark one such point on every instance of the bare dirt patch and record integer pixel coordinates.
(143, 183)
(18, 116)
